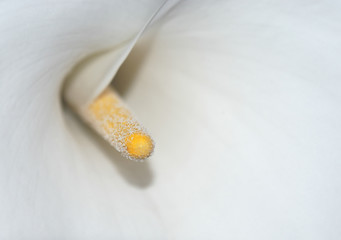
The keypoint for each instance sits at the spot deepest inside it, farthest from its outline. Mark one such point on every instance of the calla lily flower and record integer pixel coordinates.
(241, 97)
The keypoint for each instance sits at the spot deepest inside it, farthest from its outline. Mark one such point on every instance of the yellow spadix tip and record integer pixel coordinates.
(139, 146)
(109, 116)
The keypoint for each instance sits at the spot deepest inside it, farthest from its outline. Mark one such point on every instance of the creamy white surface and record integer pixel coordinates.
(242, 99)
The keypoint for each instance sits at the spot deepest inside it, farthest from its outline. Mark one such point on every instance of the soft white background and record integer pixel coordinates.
(241, 97)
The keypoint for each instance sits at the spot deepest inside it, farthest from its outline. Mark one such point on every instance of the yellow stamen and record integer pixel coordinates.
(110, 118)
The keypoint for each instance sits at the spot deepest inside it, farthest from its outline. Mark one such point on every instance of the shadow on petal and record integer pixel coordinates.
(128, 72)
(137, 174)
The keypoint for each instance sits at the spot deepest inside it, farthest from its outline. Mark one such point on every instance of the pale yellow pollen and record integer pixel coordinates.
(110, 117)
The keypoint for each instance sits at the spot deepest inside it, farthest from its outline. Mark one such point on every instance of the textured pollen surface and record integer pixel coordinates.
(110, 118)
(138, 145)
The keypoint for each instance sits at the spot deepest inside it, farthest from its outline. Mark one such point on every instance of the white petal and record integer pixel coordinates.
(243, 100)
(94, 73)
(227, 90)
(50, 187)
